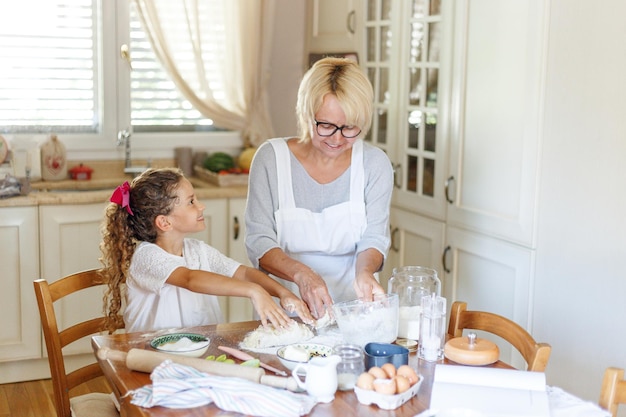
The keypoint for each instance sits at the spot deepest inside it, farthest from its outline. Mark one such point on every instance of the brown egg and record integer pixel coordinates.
(409, 373)
(385, 386)
(365, 381)
(402, 384)
(389, 369)
(377, 372)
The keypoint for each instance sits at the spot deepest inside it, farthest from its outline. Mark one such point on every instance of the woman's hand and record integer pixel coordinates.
(366, 286)
(293, 304)
(268, 310)
(313, 291)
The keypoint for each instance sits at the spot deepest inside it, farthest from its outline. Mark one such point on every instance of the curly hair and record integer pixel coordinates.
(153, 193)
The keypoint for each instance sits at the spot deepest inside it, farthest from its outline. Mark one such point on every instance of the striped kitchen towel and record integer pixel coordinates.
(181, 386)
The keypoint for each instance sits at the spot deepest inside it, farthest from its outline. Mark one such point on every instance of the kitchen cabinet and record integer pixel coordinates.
(239, 308)
(20, 337)
(70, 242)
(333, 26)
(415, 240)
(495, 275)
(52, 241)
(462, 161)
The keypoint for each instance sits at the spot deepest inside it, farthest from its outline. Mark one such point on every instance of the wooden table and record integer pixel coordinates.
(345, 404)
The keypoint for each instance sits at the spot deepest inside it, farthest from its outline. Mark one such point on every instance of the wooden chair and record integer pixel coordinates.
(95, 404)
(535, 354)
(613, 391)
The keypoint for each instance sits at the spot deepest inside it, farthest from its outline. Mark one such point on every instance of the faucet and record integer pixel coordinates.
(123, 137)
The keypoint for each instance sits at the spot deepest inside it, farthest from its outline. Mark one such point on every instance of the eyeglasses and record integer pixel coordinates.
(328, 129)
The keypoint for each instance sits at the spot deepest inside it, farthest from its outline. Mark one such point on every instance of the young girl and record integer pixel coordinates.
(171, 280)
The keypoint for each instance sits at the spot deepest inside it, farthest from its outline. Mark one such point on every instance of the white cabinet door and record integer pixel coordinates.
(215, 232)
(239, 308)
(69, 242)
(491, 275)
(332, 26)
(405, 57)
(21, 334)
(495, 117)
(237, 230)
(225, 231)
(415, 240)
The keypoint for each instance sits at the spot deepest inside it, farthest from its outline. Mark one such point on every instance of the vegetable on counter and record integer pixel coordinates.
(219, 161)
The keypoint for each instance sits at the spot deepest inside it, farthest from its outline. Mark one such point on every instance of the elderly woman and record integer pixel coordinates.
(318, 205)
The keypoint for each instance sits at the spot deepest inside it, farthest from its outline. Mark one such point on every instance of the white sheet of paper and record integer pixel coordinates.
(493, 392)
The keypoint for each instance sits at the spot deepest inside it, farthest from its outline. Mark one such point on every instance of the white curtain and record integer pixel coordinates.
(191, 40)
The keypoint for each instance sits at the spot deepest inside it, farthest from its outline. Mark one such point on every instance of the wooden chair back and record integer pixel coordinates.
(47, 294)
(613, 391)
(535, 354)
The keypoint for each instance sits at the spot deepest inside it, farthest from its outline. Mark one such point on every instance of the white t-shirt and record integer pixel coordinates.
(153, 304)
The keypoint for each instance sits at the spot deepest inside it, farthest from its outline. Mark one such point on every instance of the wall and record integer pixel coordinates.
(287, 64)
(580, 292)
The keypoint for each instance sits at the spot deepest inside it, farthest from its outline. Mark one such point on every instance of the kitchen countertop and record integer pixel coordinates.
(99, 191)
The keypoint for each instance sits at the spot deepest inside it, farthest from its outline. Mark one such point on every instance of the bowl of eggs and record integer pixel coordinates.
(387, 386)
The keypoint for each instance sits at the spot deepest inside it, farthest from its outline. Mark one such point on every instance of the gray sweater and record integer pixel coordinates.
(308, 193)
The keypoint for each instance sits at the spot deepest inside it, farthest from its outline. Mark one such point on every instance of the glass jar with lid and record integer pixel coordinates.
(411, 283)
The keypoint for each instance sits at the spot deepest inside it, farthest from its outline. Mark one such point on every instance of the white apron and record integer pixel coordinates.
(326, 241)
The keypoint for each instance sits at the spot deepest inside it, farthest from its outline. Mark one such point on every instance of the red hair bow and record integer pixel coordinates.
(121, 196)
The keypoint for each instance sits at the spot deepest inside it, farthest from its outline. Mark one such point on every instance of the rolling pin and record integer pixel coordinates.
(145, 361)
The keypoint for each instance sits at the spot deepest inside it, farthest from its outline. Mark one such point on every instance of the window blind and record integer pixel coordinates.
(51, 76)
(49, 66)
(156, 103)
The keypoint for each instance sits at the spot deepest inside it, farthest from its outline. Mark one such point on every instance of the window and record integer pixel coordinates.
(61, 72)
(50, 67)
(156, 104)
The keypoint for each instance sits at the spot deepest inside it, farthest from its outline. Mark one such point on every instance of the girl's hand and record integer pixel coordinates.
(268, 310)
(314, 292)
(293, 304)
(366, 286)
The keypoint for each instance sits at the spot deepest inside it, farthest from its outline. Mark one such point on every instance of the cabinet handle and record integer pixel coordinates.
(443, 259)
(397, 175)
(394, 247)
(350, 21)
(448, 181)
(235, 228)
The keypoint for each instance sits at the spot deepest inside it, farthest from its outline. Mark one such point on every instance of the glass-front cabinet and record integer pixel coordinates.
(458, 99)
(402, 57)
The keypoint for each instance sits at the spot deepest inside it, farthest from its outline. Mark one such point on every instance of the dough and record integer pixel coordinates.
(325, 321)
(270, 336)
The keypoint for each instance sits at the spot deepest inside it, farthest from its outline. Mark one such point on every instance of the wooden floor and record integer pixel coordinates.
(35, 398)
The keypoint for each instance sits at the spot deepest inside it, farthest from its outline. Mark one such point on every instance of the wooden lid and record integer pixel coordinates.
(471, 350)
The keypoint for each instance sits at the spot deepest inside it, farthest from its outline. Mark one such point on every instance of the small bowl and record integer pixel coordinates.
(185, 344)
(312, 348)
(378, 354)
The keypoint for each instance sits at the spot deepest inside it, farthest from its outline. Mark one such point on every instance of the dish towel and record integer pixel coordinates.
(181, 386)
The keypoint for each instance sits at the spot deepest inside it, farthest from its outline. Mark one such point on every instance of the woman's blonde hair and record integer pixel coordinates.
(342, 78)
(151, 194)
